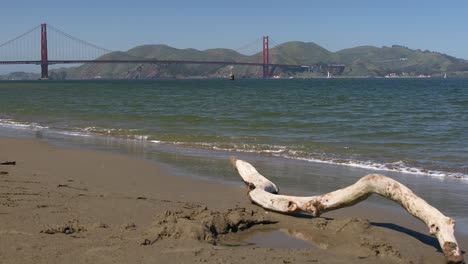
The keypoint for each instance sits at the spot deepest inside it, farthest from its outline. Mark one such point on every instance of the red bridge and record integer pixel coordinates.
(90, 53)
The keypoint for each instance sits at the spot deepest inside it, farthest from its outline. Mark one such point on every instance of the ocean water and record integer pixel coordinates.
(407, 125)
(312, 135)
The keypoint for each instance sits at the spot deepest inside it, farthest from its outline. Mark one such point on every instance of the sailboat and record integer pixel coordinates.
(445, 76)
(328, 75)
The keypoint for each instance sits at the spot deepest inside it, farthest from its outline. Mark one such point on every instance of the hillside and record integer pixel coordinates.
(372, 61)
(363, 61)
(162, 52)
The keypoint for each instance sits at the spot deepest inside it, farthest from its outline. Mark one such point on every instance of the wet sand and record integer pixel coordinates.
(61, 205)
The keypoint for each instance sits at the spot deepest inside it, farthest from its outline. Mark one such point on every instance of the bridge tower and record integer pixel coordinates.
(266, 57)
(44, 59)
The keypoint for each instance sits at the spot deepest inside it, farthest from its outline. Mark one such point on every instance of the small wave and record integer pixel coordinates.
(114, 132)
(73, 133)
(262, 149)
(20, 125)
(141, 137)
(246, 148)
(284, 152)
(399, 166)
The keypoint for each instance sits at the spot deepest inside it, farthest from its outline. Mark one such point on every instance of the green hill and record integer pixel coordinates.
(373, 61)
(161, 52)
(363, 61)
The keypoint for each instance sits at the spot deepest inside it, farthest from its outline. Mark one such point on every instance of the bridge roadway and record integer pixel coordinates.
(151, 61)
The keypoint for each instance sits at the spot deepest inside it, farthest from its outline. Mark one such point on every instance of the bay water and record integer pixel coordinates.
(309, 135)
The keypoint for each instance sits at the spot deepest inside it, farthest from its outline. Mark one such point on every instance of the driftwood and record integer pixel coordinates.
(264, 193)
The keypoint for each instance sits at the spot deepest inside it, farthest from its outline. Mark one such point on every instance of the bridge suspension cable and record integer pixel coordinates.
(47, 47)
(18, 37)
(250, 48)
(63, 46)
(22, 47)
(254, 47)
(273, 43)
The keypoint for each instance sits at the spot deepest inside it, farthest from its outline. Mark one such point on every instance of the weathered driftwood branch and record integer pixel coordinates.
(264, 193)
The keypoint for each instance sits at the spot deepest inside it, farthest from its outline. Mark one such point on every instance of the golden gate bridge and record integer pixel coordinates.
(23, 49)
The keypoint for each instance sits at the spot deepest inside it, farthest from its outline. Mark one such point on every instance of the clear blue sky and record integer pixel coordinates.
(120, 25)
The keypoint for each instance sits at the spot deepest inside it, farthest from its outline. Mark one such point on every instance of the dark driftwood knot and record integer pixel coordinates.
(8, 163)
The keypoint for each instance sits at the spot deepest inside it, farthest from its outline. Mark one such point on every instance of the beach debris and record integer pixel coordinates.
(103, 225)
(8, 163)
(3, 172)
(200, 223)
(68, 228)
(71, 187)
(264, 193)
(146, 242)
(19, 193)
(130, 226)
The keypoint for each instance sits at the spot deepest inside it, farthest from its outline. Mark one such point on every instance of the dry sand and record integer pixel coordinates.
(61, 205)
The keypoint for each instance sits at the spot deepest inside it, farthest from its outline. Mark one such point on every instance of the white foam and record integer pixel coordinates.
(402, 168)
(265, 149)
(141, 137)
(282, 151)
(116, 132)
(21, 125)
(72, 133)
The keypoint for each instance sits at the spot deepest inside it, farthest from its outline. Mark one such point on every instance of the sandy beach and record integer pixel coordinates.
(64, 205)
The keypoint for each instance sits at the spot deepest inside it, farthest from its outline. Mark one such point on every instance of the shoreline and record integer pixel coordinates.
(34, 130)
(111, 204)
